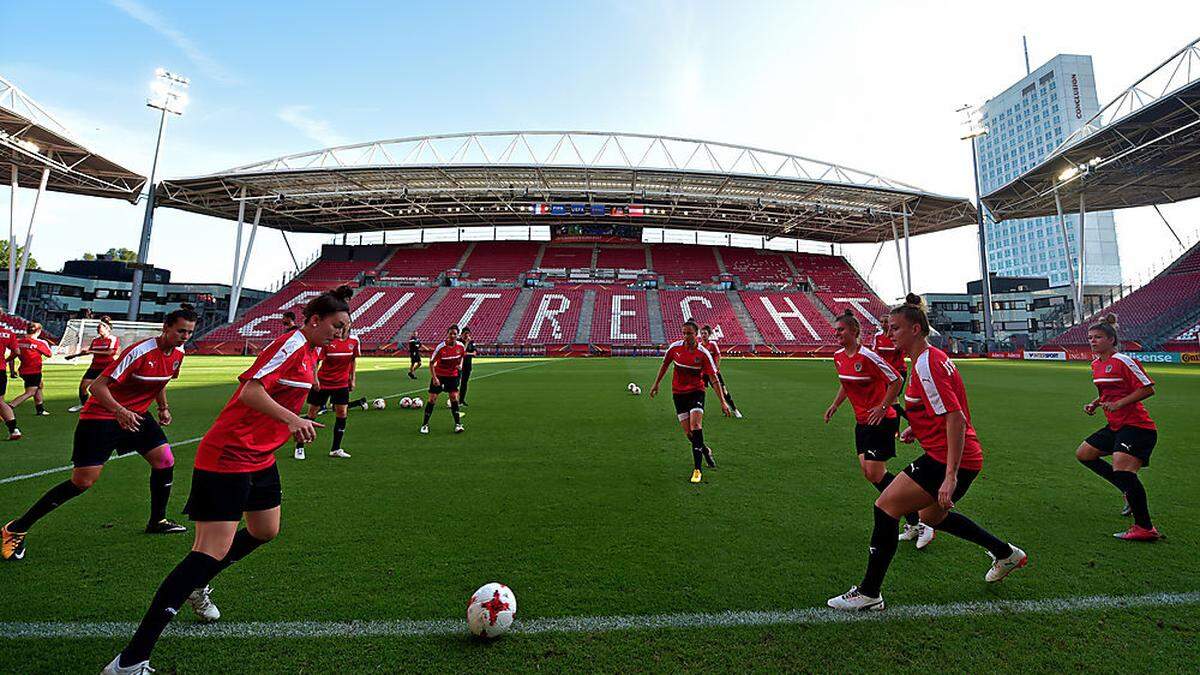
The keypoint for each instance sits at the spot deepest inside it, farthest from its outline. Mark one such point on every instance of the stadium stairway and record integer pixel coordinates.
(383, 264)
(825, 311)
(421, 314)
(743, 317)
(462, 261)
(796, 276)
(595, 259)
(584, 334)
(654, 311)
(509, 330)
(537, 260)
(649, 259)
(720, 259)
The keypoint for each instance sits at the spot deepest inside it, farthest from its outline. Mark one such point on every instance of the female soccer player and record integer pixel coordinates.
(235, 473)
(895, 357)
(715, 350)
(31, 349)
(104, 349)
(8, 351)
(445, 367)
(1130, 434)
(468, 357)
(693, 364)
(116, 418)
(940, 420)
(414, 356)
(872, 387)
(335, 381)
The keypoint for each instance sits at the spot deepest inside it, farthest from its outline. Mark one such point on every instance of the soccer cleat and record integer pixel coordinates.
(75, 408)
(925, 535)
(299, 454)
(424, 428)
(737, 413)
(696, 476)
(202, 604)
(462, 404)
(1139, 533)
(364, 405)
(12, 544)
(1004, 566)
(114, 667)
(43, 413)
(853, 601)
(339, 453)
(14, 435)
(165, 526)
(910, 532)
(322, 411)
(411, 376)
(458, 428)
(708, 457)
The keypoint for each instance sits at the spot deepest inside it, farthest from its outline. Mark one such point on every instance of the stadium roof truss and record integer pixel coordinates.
(1141, 149)
(512, 178)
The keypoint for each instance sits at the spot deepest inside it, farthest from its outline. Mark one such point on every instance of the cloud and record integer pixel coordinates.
(158, 24)
(315, 128)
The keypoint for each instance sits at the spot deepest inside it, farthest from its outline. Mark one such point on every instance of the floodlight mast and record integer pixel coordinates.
(170, 96)
(974, 129)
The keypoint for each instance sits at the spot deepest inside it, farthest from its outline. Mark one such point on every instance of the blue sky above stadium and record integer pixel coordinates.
(869, 85)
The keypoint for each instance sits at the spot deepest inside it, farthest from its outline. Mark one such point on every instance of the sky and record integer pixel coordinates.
(870, 85)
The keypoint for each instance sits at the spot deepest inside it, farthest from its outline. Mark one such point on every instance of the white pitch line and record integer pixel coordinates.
(68, 467)
(595, 624)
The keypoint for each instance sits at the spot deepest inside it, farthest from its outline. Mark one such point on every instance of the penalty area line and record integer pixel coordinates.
(597, 624)
(425, 389)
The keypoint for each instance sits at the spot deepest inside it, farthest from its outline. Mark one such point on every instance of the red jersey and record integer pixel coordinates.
(936, 390)
(243, 440)
(1117, 377)
(691, 366)
(714, 350)
(109, 343)
(865, 377)
(31, 350)
(142, 371)
(447, 359)
(8, 344)
(337, 360)
(890, 353)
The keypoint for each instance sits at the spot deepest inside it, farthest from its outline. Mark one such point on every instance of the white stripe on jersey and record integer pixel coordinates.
(294, 383)
(855, 377)
(139, 350)
(926, 377)
(1106, 379)
(289, 347)
(1135, 367)
(888, 371)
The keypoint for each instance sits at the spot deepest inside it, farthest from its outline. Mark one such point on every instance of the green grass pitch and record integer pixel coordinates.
(575, 493)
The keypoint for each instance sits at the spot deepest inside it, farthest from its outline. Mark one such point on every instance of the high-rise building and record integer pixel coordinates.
(1026, 123)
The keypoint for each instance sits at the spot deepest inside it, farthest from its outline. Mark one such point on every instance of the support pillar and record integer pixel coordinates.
(907, 255)
(1082, 250)
(237, 254)
(1062, 224)
(16, 293)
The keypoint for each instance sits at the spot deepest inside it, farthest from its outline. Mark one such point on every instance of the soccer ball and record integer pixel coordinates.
(630, 387)
(490, 610)
(418, 403)
(636, 391)
(406, 402)
(379, 404)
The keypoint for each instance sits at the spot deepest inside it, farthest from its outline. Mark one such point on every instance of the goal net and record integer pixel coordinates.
(79, 334)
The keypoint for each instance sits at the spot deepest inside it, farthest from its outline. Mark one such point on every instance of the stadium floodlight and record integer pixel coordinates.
(975, 128)
(973, 122)
(170, 96)
(1068, 174)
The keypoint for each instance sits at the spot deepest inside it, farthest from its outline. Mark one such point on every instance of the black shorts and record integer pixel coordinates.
(34, 380)
(1134, 441)
(226, 496)
(449, 384)
(3, 382)
(688, 401)
(95, 440)
(414, 359)
(929, 474)
(878, 442)
(318, 397)
(93, 373)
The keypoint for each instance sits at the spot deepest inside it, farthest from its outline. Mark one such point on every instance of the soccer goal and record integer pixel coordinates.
(79, 333)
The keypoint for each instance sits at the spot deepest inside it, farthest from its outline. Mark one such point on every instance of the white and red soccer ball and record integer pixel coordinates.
(380, 404)
(490, 610)
(406, 402)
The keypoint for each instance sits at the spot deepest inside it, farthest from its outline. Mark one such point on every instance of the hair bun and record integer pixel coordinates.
(343, 293)
(1110, 319)
(186, 306)
(847, 312)
(914, 299)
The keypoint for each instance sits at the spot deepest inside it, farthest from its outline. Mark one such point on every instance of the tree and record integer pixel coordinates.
(33, 264)
(121, 254)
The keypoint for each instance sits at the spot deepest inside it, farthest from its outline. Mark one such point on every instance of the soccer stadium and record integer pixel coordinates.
(323, 495)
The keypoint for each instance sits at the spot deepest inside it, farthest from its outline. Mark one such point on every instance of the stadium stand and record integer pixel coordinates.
(1188, 340)
(261, 322)
(501, 261)
(482, 309)
(703, 308)
(828, 273)
(621, 258)
(422, 263)
(685, 264)
(753, 266)
(336, 271)
(863, 304)
(788, 319)
(552, 316)
(380, 311)
(620, 316)
(561, 258)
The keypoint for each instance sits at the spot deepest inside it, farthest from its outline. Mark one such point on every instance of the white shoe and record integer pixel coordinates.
(43, 413)
(114, 668)
(425, 429)
(340, 454)
(853, 601)
(737, 414)
(458, 428)
(1004, 566)
(299, 454)
(14, 435)
(910, 532)
(925, 535)
(202, 604)
(75, 408)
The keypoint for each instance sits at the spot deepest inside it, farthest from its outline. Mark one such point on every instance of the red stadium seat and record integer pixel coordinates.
(620, 317)
(551, 317)
(703, 308)
(566, 258)
(380, 311)
(685, 264)
(621, 258)
(483, 310)
(787, 318)
(424, 262)
(501, 260)
(754, 266)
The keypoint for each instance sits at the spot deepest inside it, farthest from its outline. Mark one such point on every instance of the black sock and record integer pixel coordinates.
(888, 477)
(697, 437)
(194, 571)
(41, 407)
(729, 400)
(454, 410)
(160, 492)
(1101, 468)
(54, 498)
(964, 528)
(883, 548)
(339, 430)
(11, 424)
(899, 410)
(428, 413)
(243, 544)
(1135, 493)
(83, 397)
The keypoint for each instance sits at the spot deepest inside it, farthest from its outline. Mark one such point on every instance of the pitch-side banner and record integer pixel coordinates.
(1044, 356)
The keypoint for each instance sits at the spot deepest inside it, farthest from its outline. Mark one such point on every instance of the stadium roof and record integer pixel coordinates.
(549, 177)
(33, 141)
(1143, 148)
